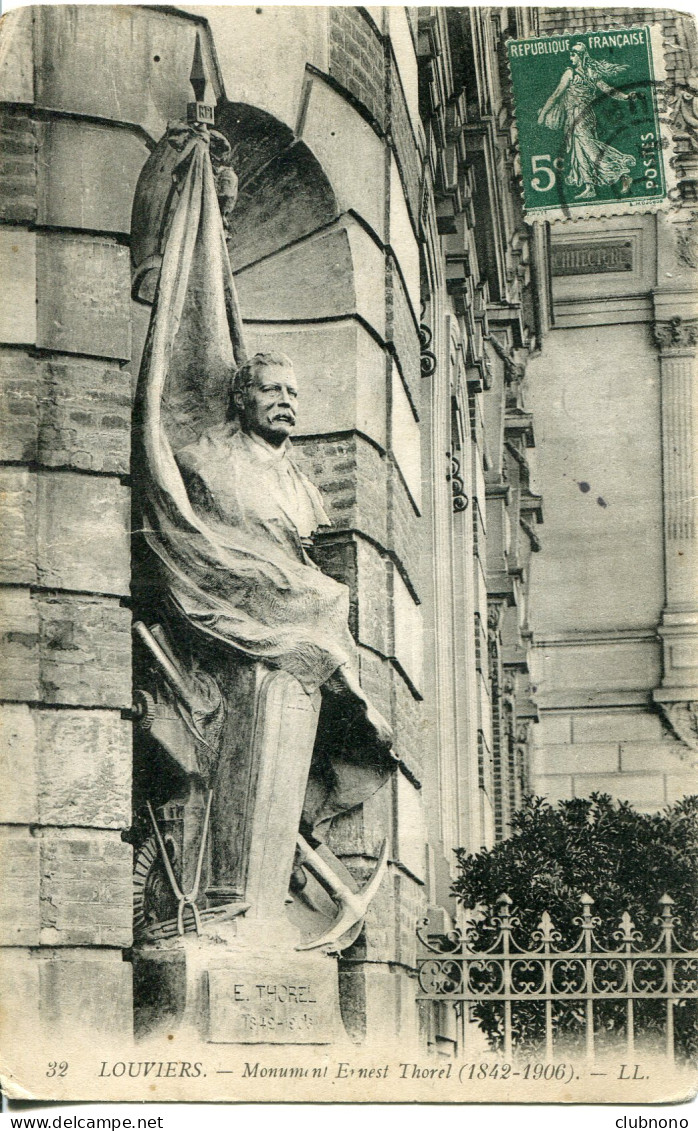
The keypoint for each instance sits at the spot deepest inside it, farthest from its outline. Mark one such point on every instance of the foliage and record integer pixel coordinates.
(624, 859)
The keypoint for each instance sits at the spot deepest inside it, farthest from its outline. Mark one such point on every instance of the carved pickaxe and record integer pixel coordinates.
(352, 905)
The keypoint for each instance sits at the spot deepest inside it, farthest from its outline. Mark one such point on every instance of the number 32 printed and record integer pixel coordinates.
(57, 1068)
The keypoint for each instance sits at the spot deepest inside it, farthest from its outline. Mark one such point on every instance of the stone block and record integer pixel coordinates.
(83, 68)
(341, 374)
(651, 756)
(19, 406)
(19, 646)
(373, 601)
(351, 476)
(681, 784)
(407, 533)
(599, 570)
(616, 726)
(407, 631)
(86, 897)
(18, 804)
(402, 239)
(411, 831)
(403, 333)
(303, 32)
(84, 291)
(405, 438)
(408, 724)
(375, 675)
(587, 757)
(572, 670)
(85, 650)
(405, 58)
(19, 896)
(643, 790)
(84, 768)
(554, 787)
(411, 906)
(74, 986)
(88, 175)
(342, 270)
(83, 533)
(553, 729)
(18, 525)
(20, 1018)
(18, 146)
(383, 1012)
(18, 260)
(85, 415)
(17, 59)
(350, 153)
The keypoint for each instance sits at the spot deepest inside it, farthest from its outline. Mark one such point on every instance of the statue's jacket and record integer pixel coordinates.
(250, 583)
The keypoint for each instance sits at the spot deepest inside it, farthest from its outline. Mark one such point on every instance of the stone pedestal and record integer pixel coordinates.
(233, 992)
(241, 980)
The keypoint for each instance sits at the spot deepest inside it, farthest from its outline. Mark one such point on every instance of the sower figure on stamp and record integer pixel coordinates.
(286, 737)
(592, 162)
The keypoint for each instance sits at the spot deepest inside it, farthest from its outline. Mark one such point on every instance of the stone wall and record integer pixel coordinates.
(603, 589)
(337, 288)
(75, 134)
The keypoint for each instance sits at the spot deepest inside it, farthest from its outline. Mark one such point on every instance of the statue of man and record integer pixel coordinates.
(264, 595)
(225, 521)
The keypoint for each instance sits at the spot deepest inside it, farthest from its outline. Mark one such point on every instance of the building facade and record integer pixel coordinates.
(456, 378)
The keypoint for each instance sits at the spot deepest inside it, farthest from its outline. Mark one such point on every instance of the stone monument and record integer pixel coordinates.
(253, 730)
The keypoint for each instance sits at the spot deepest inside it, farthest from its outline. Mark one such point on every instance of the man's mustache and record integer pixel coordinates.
(289, 417)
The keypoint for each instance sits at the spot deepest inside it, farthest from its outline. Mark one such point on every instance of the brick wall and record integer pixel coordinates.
(357, 60)
(18, 148)
(351, 475)
(679, 30)
(405, 145)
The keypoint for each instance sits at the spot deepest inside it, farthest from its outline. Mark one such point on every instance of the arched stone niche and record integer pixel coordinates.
(283, 193)
(309, 276)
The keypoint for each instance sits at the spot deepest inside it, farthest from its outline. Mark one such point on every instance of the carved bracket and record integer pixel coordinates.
(427, 359)
(455, 477)
(682, 720)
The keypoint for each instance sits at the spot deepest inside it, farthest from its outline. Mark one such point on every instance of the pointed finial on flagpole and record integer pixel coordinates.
(199, 110)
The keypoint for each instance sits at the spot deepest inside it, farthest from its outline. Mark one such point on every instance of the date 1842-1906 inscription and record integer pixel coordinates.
(247, 1007)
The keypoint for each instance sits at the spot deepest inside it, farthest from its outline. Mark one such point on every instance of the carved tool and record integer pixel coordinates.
(352, 905)
(188, 899)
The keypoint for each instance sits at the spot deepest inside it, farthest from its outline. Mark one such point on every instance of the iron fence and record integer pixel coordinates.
(511, 973)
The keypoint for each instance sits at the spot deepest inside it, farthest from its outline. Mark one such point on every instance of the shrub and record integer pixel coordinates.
(624, 859)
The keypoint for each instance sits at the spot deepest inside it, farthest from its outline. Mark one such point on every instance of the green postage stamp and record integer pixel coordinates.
(588, 121)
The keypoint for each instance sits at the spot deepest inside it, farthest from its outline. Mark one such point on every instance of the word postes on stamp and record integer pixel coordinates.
(588, 123)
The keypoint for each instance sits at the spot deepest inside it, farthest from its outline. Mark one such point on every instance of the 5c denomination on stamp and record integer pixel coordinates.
(588, 122)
